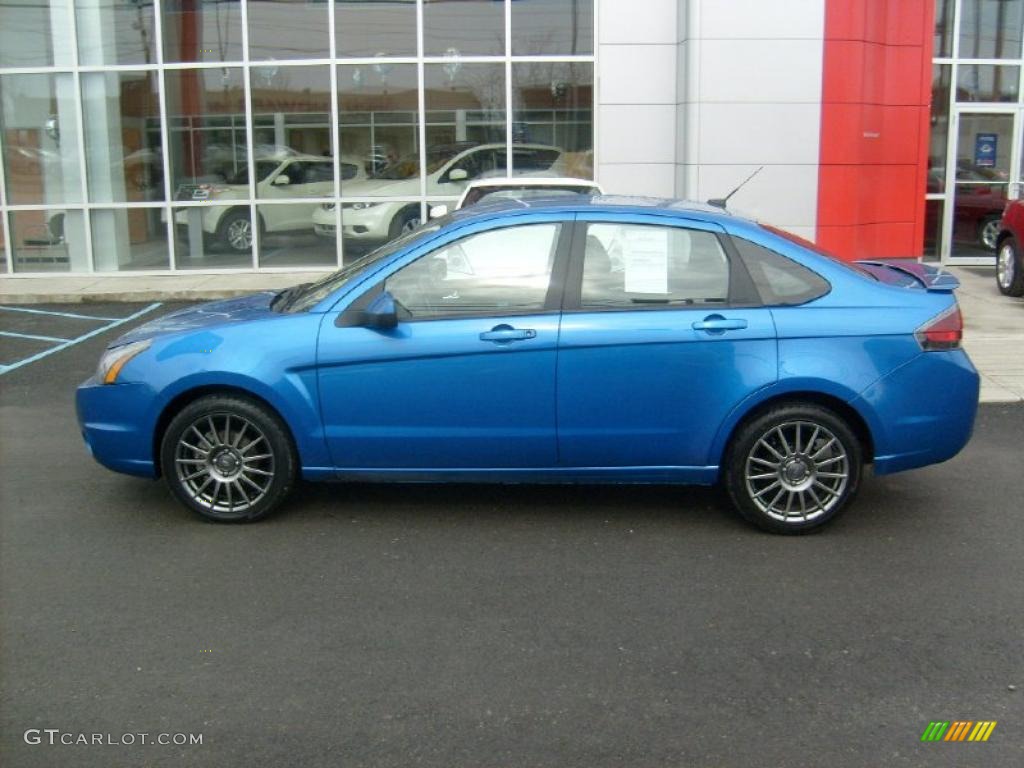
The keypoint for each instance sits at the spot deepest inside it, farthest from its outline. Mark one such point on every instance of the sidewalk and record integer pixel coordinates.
(993, 323)
(72, 289)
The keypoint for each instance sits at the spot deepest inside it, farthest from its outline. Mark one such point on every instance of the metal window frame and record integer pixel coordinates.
(246, 64)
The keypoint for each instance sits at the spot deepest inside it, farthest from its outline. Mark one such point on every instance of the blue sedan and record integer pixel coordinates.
(589, 340)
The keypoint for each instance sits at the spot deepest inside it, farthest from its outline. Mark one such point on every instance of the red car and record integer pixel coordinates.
(1009, 256)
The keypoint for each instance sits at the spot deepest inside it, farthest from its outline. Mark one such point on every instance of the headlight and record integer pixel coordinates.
(113, 360)
(358, 206)
(327, 206)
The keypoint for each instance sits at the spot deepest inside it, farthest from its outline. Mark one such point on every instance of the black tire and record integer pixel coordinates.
(807, 460)
(405, 219)
(1010, 267)
(988, 232)
(228, 448)
(234, 232)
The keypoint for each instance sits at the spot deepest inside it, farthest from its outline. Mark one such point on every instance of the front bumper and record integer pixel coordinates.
(117, 423)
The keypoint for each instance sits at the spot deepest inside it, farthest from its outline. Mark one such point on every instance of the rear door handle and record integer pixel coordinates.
(718, 324)
(501, 334)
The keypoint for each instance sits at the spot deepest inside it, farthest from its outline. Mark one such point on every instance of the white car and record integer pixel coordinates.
(449, 169)
(519, 188)
(278, 177)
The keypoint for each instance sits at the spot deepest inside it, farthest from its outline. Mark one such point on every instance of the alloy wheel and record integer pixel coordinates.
(797, 471)
(225, 463)
(239, 234)
(1006, 264)
(990, 233)
(411, 224)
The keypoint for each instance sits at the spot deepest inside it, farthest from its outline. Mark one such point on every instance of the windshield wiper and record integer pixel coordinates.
(285, 298)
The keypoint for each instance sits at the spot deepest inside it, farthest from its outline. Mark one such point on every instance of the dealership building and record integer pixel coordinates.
(152, 136)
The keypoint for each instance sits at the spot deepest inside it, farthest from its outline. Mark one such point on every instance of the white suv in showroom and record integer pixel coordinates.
(292, 176)
(450, 168)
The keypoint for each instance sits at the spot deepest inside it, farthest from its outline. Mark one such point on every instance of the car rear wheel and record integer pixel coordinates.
(988, 232)
(793, 468)
(228, 458)
(235, 231)
(1010, 268)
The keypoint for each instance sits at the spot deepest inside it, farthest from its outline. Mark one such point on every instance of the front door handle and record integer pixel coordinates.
(719, 324)
(502, 334)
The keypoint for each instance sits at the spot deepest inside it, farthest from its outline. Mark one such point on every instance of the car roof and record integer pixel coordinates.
(600, 203)
(532, 181)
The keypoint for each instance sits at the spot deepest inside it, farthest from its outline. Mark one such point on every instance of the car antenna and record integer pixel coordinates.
(719, 202)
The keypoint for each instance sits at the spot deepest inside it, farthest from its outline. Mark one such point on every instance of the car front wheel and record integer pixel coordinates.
(793, 468)
(1010, 268)
(228, 458)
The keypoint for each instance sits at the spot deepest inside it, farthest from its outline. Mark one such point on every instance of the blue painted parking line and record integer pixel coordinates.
(32, 336)
(57, 314)
(47, 352)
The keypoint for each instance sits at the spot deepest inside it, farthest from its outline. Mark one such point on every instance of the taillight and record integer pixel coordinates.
(942, 332)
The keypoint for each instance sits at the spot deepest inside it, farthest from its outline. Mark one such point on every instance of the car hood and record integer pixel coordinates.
(379, 187)
(212, 313)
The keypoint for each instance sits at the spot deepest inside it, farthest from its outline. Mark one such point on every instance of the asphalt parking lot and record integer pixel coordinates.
(492, 626)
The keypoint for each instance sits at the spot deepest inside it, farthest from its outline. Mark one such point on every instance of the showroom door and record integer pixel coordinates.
(983, 172)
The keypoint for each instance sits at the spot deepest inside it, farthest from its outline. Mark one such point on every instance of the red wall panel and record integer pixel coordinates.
(876, 89)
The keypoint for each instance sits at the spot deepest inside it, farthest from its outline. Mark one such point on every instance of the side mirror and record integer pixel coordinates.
(458, 174)
(381, 313)
(282, 180)
(437, 211)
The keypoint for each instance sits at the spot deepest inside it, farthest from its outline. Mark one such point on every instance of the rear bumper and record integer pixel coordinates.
(115, 422)
(923, 412)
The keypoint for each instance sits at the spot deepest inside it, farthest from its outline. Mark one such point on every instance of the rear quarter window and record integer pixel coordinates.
(780, 281)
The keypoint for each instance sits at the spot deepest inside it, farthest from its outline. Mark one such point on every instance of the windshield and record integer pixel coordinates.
(263, 169)
(409, 166)
(314, 293)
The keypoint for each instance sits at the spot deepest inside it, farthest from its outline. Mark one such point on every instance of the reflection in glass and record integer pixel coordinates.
(933, 227)
(976, 160)
(291, 109)
(987, 82)
(943, 40)
(365, 28)
(129, 239)
(122, 136)
(456, 28)
(552, 27)
(207, 134)
(48, 241)
(941, 74)
(287, 238)
(977, 209)
(365, 226)
(288, 29)
(40, 128)
(202, 30)
(217, 237)
(115, 32)
(553, 106)
(35, 34)
(991, 29)
(378, 110)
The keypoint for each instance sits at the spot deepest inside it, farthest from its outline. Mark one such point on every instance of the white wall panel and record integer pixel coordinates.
(649, 179)
(638, 74)
(636, 133)
(768, 19)
(760, 71)
(759, 133)
(637, 21)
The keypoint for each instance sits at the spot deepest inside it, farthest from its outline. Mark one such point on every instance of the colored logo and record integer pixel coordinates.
(958, 730)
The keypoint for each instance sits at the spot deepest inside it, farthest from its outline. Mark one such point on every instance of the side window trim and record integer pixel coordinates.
(352, 314)
(742, 292)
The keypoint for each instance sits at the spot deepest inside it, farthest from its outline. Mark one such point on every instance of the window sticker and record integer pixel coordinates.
(645, 258)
